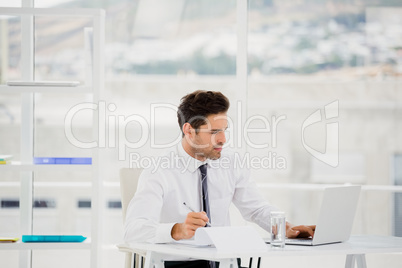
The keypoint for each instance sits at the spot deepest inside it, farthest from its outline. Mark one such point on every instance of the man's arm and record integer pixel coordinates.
(248, 199)
(143, 217)
(142, 222)
(255, 208)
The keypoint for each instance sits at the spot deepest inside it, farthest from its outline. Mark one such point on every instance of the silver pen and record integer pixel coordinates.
(192, 210)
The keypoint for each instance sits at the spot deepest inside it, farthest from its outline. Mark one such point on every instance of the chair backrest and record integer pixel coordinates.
(128, 186)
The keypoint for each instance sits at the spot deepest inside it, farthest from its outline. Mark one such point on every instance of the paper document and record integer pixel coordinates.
(192, 242)
(244, 238)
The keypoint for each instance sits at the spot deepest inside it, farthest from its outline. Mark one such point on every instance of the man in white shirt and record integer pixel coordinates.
(170, 202)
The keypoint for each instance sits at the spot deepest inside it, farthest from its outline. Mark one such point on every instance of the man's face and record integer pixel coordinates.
(208, 142)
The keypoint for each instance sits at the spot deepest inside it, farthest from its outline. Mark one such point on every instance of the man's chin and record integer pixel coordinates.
(215, 156)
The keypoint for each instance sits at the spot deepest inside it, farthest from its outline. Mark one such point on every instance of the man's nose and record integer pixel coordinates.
(221, 138)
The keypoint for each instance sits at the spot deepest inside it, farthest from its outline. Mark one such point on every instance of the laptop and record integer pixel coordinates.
(44, 83)
(335, 220)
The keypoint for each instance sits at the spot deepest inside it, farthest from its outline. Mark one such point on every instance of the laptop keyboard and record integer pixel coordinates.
(306, 241)
(298, 241)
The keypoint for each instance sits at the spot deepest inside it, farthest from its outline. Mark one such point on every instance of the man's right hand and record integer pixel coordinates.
(186, 230)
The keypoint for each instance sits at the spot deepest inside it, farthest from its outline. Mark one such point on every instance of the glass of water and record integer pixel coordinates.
(278, 229)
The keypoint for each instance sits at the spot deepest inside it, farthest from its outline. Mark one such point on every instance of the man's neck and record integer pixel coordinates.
(188, 149)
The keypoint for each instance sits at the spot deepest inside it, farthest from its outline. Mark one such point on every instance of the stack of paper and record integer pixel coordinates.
(5, 159)
(235, 239)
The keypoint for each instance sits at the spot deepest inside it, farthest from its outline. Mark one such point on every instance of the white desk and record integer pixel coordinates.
(354, 249)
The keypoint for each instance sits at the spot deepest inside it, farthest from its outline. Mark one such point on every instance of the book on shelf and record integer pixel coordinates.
(53, 238)
(62, 160)
(8, 239)
(5, 159)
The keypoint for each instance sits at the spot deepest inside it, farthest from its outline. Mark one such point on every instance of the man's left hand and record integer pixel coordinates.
(301, 231)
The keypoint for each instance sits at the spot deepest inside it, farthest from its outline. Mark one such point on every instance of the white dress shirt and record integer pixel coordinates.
(158, 202)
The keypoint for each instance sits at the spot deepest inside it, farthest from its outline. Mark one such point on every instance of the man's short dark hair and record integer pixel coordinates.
(197, 106)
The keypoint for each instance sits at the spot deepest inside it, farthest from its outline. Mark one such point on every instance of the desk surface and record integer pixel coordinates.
(355, 245)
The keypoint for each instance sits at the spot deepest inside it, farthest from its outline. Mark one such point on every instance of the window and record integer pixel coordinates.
(84, 204)
(114, 204)
(10, 203)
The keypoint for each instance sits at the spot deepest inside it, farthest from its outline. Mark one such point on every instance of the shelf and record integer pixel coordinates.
(71, 12)
(44, 89)
(16, 166)
(49, 184)
(61, 184)
(46, 246)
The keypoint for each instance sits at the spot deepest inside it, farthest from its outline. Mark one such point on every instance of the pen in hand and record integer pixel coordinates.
(192, 210)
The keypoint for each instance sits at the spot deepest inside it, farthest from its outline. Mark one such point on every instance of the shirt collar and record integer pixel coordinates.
(190, 163)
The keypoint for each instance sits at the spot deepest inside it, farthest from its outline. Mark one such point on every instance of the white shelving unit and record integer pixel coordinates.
(17, 166)
(24, 89)
(25, 167)
(43, 246)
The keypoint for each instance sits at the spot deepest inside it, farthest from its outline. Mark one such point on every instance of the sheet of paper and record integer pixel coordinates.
(193, 242)
(244, 238)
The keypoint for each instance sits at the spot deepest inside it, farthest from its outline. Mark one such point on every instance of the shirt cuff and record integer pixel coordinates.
(163, 233)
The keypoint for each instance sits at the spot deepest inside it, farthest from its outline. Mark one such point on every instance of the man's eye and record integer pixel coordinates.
(215, 132)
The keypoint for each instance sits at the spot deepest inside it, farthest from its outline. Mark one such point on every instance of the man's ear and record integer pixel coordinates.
(187, 130)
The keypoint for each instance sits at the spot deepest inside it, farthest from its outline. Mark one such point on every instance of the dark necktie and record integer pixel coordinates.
(204, 183)
(205, 199)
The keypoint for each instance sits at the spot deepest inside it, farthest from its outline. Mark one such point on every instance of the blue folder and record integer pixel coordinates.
(52, 238)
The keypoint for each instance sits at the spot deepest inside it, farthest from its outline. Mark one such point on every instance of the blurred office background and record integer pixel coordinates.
(302, 56)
